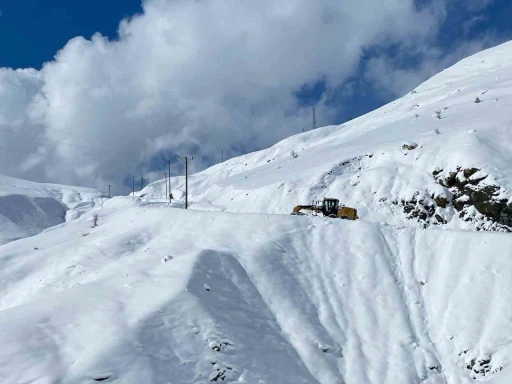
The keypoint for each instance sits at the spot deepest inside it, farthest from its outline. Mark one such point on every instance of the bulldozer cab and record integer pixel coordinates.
(330, 207)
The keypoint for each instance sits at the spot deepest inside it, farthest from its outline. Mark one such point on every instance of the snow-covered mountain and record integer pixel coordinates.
(27, 208)
(247, 293)
(440, 155)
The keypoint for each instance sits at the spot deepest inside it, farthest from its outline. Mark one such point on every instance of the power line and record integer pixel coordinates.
(46, 126)
(54, 141)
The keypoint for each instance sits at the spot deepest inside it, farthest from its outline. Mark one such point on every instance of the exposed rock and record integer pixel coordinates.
(505, 216)
(440, 220)
(482, 367)
(409, 146)
(421, 210)
(441, 201)
(436, 172)
(448, 181)
(460, 202)
(484, 200)
(468, 191)
(469, 172)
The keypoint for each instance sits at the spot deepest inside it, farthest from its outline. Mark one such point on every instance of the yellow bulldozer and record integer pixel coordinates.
(330, 208)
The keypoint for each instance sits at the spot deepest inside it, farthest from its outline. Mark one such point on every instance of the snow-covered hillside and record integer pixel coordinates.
(459, 173)
(159, 295)
(27, 208)
(248, 294)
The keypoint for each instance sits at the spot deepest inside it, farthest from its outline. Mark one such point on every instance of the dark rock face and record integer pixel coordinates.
(440, 219)
(422, 208)
(441, 201)
(465, 193)
(469, 191)
(482, 368)
(506, 216)
(469, 172)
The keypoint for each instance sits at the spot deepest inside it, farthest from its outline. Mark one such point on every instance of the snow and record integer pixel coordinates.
(362, 162)
(236, 290)
(27, 208)
(274, 298)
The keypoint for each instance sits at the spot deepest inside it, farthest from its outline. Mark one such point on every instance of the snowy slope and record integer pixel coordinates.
(27, 208)
(246, 293)
(459, 173)
(159, 295)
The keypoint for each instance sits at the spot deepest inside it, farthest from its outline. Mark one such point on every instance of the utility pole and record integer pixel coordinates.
(314, 118)
(109, 190)
(166, 185)
(141, 183)
(186, 159)
(170, 192)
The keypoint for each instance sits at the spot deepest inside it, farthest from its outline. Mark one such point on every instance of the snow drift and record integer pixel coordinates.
(27, 208)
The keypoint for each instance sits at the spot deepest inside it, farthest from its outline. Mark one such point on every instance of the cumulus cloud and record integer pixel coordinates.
(391, 78)
(190, 77)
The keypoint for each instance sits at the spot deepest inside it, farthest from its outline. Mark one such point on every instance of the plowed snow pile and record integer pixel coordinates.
(410, 293)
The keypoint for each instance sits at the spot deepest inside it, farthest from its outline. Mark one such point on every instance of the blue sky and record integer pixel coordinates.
(34, 30)
(190, 78)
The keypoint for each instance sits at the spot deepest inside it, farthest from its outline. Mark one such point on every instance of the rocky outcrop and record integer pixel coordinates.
(473, 196)
(424, 208)
(468, 193)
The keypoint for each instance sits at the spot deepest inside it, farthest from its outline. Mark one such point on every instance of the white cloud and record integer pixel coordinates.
(193, 77)
(391, 79)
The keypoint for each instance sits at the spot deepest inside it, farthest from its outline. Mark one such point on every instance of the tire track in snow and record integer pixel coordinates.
(367, 328)
(288, 272)
(428, 360)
